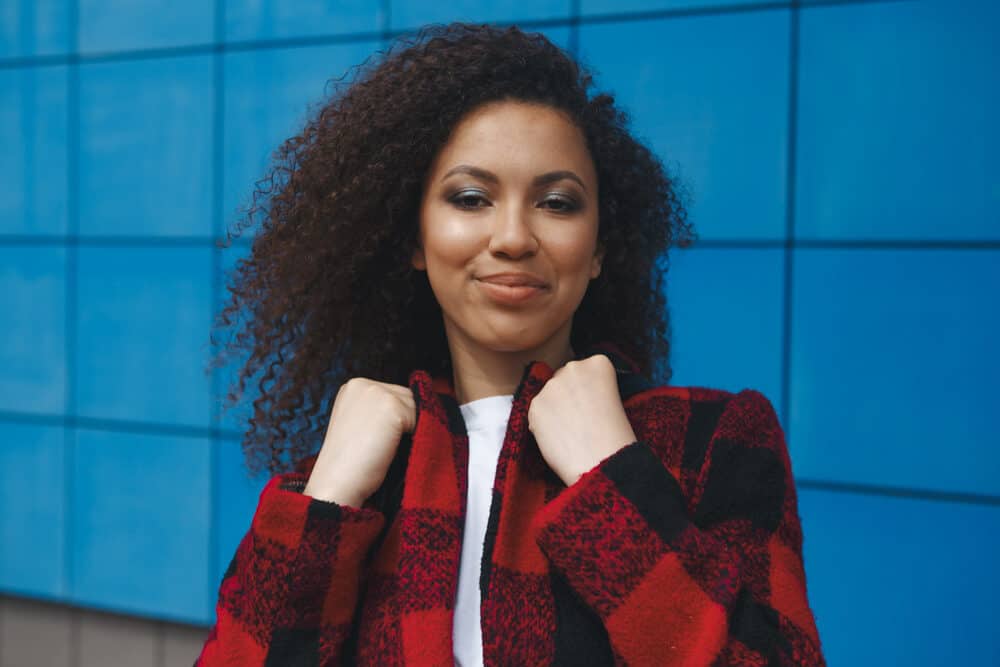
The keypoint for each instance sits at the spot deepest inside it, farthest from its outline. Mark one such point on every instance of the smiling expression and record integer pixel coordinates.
(508, 227)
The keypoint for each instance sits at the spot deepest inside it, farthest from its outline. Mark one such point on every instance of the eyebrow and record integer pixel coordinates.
(543, 179)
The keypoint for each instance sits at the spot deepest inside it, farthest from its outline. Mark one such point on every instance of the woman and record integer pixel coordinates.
(468, 247)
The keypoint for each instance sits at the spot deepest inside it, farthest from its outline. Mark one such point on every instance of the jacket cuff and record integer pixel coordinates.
(287, 516)
(303, 557)
(637, 474)
(606, 530)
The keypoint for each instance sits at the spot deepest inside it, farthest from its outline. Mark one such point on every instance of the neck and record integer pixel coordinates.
(479, 371)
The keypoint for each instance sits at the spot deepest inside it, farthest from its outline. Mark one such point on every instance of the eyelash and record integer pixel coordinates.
(569, 205)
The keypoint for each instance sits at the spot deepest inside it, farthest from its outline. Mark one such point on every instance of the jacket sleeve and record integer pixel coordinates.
(289, 595)
(714, 580)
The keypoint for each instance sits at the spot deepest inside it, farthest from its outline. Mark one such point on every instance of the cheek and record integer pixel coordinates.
(448, 241)
(449, 247)
(573, 254)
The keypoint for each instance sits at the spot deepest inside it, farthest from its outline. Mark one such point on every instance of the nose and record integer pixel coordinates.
(513, 236)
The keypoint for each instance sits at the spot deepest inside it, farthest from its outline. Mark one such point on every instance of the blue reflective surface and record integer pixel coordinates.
(900, 581)
(142, 341)
(726, 307)
(141, 515)
(34, 133)
(414, 13)
(894, 367)
(117, 25)
(273, 19)
(32, 479)
(34, 28)
(898, 134)
(709, 94)
(269, 95)
(33, 335)
(146, 147)
(614, 6)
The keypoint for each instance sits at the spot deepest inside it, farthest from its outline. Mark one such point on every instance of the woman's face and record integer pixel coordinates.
(508, 227)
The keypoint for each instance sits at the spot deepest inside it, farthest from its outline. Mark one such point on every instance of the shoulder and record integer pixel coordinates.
(746, 407)
(690, 424)
(726, 449)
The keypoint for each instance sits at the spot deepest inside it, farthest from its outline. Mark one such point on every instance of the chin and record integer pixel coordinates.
(505, 332)
(518, 340)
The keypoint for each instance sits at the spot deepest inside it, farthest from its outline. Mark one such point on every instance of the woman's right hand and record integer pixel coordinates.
(366, 424)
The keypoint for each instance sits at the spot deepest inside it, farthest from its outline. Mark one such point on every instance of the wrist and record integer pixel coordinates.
(340, 497)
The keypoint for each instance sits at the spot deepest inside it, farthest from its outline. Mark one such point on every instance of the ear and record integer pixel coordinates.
(418, 260)
(595, 263)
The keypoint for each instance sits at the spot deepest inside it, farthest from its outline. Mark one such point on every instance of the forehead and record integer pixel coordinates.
(516, 137)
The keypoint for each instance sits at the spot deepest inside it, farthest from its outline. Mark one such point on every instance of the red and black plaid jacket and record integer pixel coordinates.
(683, 548)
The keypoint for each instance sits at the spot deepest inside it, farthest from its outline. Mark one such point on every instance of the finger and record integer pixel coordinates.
(396, 389)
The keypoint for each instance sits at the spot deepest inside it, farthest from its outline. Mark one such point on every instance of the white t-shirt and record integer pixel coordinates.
(486, 423)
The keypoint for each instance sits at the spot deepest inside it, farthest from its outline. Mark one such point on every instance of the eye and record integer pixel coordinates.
(467, 199)
(561, 204)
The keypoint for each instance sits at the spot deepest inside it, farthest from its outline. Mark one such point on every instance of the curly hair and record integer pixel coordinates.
(328, 291)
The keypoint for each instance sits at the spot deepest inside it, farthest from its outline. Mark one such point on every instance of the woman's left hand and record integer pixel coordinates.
(578, 418)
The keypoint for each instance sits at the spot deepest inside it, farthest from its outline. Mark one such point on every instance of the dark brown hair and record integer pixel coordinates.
(328, 291)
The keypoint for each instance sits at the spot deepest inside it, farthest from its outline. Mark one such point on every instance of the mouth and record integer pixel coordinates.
(510, 292)
(514, 280)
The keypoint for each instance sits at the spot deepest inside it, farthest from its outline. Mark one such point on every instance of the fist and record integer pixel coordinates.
(578, 418)
(366, 423)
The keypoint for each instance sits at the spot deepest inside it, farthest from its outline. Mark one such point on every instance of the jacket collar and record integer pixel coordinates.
(536, 373)
(436, 396)
(440, 419)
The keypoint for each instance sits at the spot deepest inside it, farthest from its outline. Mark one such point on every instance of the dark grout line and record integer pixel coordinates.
(301, 42)
(142, 428)
(116, 425)
(71, 311)
(682, 12)
(218, 21)
(984, 244)
(7, 240)
(386, 20)
(218, 175)
(809, 4)
(574, 29)
(24, 62)
(69, 240)
(850, 244)
(389, 33)
(961, 497)
(789, 255)
(901, 244)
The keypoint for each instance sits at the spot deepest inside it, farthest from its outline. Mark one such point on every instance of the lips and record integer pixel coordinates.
(512, 289)
(514, 280)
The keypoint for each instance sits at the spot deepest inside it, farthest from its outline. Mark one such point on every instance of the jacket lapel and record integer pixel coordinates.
(517, 606)
(430, 520)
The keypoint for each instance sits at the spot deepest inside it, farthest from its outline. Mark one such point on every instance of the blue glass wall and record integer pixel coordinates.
(841, 159)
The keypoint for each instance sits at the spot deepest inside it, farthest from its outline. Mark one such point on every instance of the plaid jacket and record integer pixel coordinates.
(683, 548)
